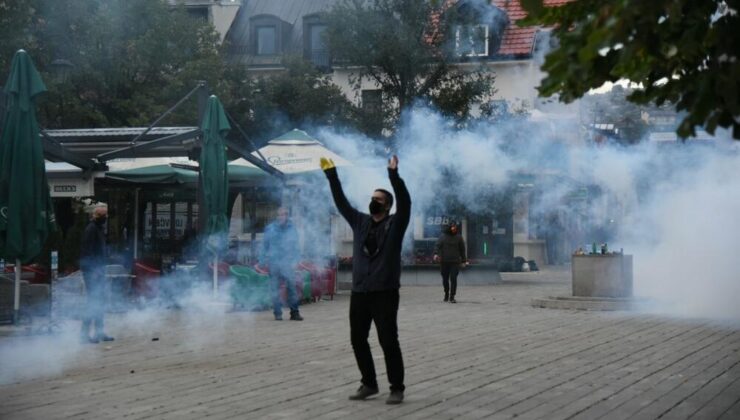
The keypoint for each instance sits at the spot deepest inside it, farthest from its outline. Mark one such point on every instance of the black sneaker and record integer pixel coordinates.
(88, 340)
(296, 316)
(452, 300)
(363, 392)
(396, 397)
(103, 337)
(447, 297)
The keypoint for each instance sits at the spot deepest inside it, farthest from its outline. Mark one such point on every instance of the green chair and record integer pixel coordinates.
(251, 290)
(306, 276)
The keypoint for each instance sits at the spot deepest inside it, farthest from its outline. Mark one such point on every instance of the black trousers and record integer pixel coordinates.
(449, 275)
(381, 308)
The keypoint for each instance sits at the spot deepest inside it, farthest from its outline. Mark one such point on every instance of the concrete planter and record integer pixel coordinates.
(607, 275)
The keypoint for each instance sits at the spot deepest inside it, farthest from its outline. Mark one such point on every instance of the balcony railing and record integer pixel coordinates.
(321, 59)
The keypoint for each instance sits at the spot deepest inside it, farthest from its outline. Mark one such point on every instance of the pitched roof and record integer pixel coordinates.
(516, 41)
(289, 11)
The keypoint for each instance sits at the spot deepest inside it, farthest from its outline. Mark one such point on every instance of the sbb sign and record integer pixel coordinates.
(437, 220)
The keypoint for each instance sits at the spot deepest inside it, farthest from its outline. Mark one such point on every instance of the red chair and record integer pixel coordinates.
(223, 269)
(331, 281)
(146, 282)
(322, 280)
(30, 273)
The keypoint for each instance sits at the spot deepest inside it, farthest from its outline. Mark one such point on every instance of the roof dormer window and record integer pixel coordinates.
(315, 49)
(266, 40)
(479, 29)
(268, 35)
(472, 40)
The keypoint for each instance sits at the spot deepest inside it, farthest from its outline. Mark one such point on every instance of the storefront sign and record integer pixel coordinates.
(163, 196)
(71, 187)
(288, 160)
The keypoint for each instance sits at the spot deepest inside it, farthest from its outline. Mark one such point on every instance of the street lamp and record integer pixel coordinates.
(62, 68)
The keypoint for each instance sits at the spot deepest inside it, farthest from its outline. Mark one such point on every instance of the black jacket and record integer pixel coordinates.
(382, 270)
(450, 248)
(92, 250)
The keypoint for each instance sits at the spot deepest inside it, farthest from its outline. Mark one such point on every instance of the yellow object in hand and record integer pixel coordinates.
(326, 163)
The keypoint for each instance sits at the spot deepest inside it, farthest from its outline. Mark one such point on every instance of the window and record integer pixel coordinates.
(198, 12)
(472, 40)
(266, 40)
(267, 37)
(372, 116)
(315, 48)
(319, 52)
(372, 100)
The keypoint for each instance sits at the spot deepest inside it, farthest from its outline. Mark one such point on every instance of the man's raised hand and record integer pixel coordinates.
(393, 162)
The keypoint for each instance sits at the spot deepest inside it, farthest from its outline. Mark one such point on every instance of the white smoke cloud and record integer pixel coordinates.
(674, 207)
(199, 319)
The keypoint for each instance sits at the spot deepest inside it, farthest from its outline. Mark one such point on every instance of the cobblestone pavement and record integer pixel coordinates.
(490, 356)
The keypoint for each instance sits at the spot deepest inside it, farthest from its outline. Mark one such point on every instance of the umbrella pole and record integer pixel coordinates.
(17, 297)
(136, 224)
(215, 276)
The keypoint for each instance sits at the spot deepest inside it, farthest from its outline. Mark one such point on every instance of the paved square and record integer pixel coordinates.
(490, 356)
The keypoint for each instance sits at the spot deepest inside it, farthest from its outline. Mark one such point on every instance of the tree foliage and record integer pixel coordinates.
(110, 63)
(613, 108)
(678, 51)
(404, 46)
(298, 97)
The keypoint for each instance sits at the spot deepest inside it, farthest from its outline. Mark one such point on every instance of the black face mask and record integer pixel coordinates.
(101, 220)
(376, 207)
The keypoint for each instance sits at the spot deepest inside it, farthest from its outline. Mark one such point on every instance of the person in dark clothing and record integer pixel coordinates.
(92, 263)
(376, 273)
(280, 253)
(450, 253)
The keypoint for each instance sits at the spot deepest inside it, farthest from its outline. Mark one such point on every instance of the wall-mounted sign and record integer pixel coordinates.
(65, 188)
(71, 187)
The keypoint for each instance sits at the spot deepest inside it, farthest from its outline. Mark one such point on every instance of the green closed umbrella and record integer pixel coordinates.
(26, 211)
(215, 178)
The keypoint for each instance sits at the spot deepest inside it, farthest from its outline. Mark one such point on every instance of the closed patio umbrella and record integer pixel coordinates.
(215, 179)
(26, 211)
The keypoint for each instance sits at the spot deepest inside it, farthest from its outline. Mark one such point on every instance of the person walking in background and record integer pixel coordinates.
(449, 251)
(280, 252)
(376, 273)
(93, 258)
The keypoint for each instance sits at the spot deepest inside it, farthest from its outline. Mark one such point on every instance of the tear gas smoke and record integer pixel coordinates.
(673, 206)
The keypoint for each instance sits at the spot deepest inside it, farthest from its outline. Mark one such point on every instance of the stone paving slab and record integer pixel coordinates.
(490, 356)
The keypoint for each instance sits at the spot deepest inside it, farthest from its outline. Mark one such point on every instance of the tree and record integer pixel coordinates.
(298, 97)
(678, 51)
(111, 63)
(613, 108)
(17, 19)
(122, 62)
(404, 46)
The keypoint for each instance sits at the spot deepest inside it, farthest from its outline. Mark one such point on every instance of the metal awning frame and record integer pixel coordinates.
(57, 151)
